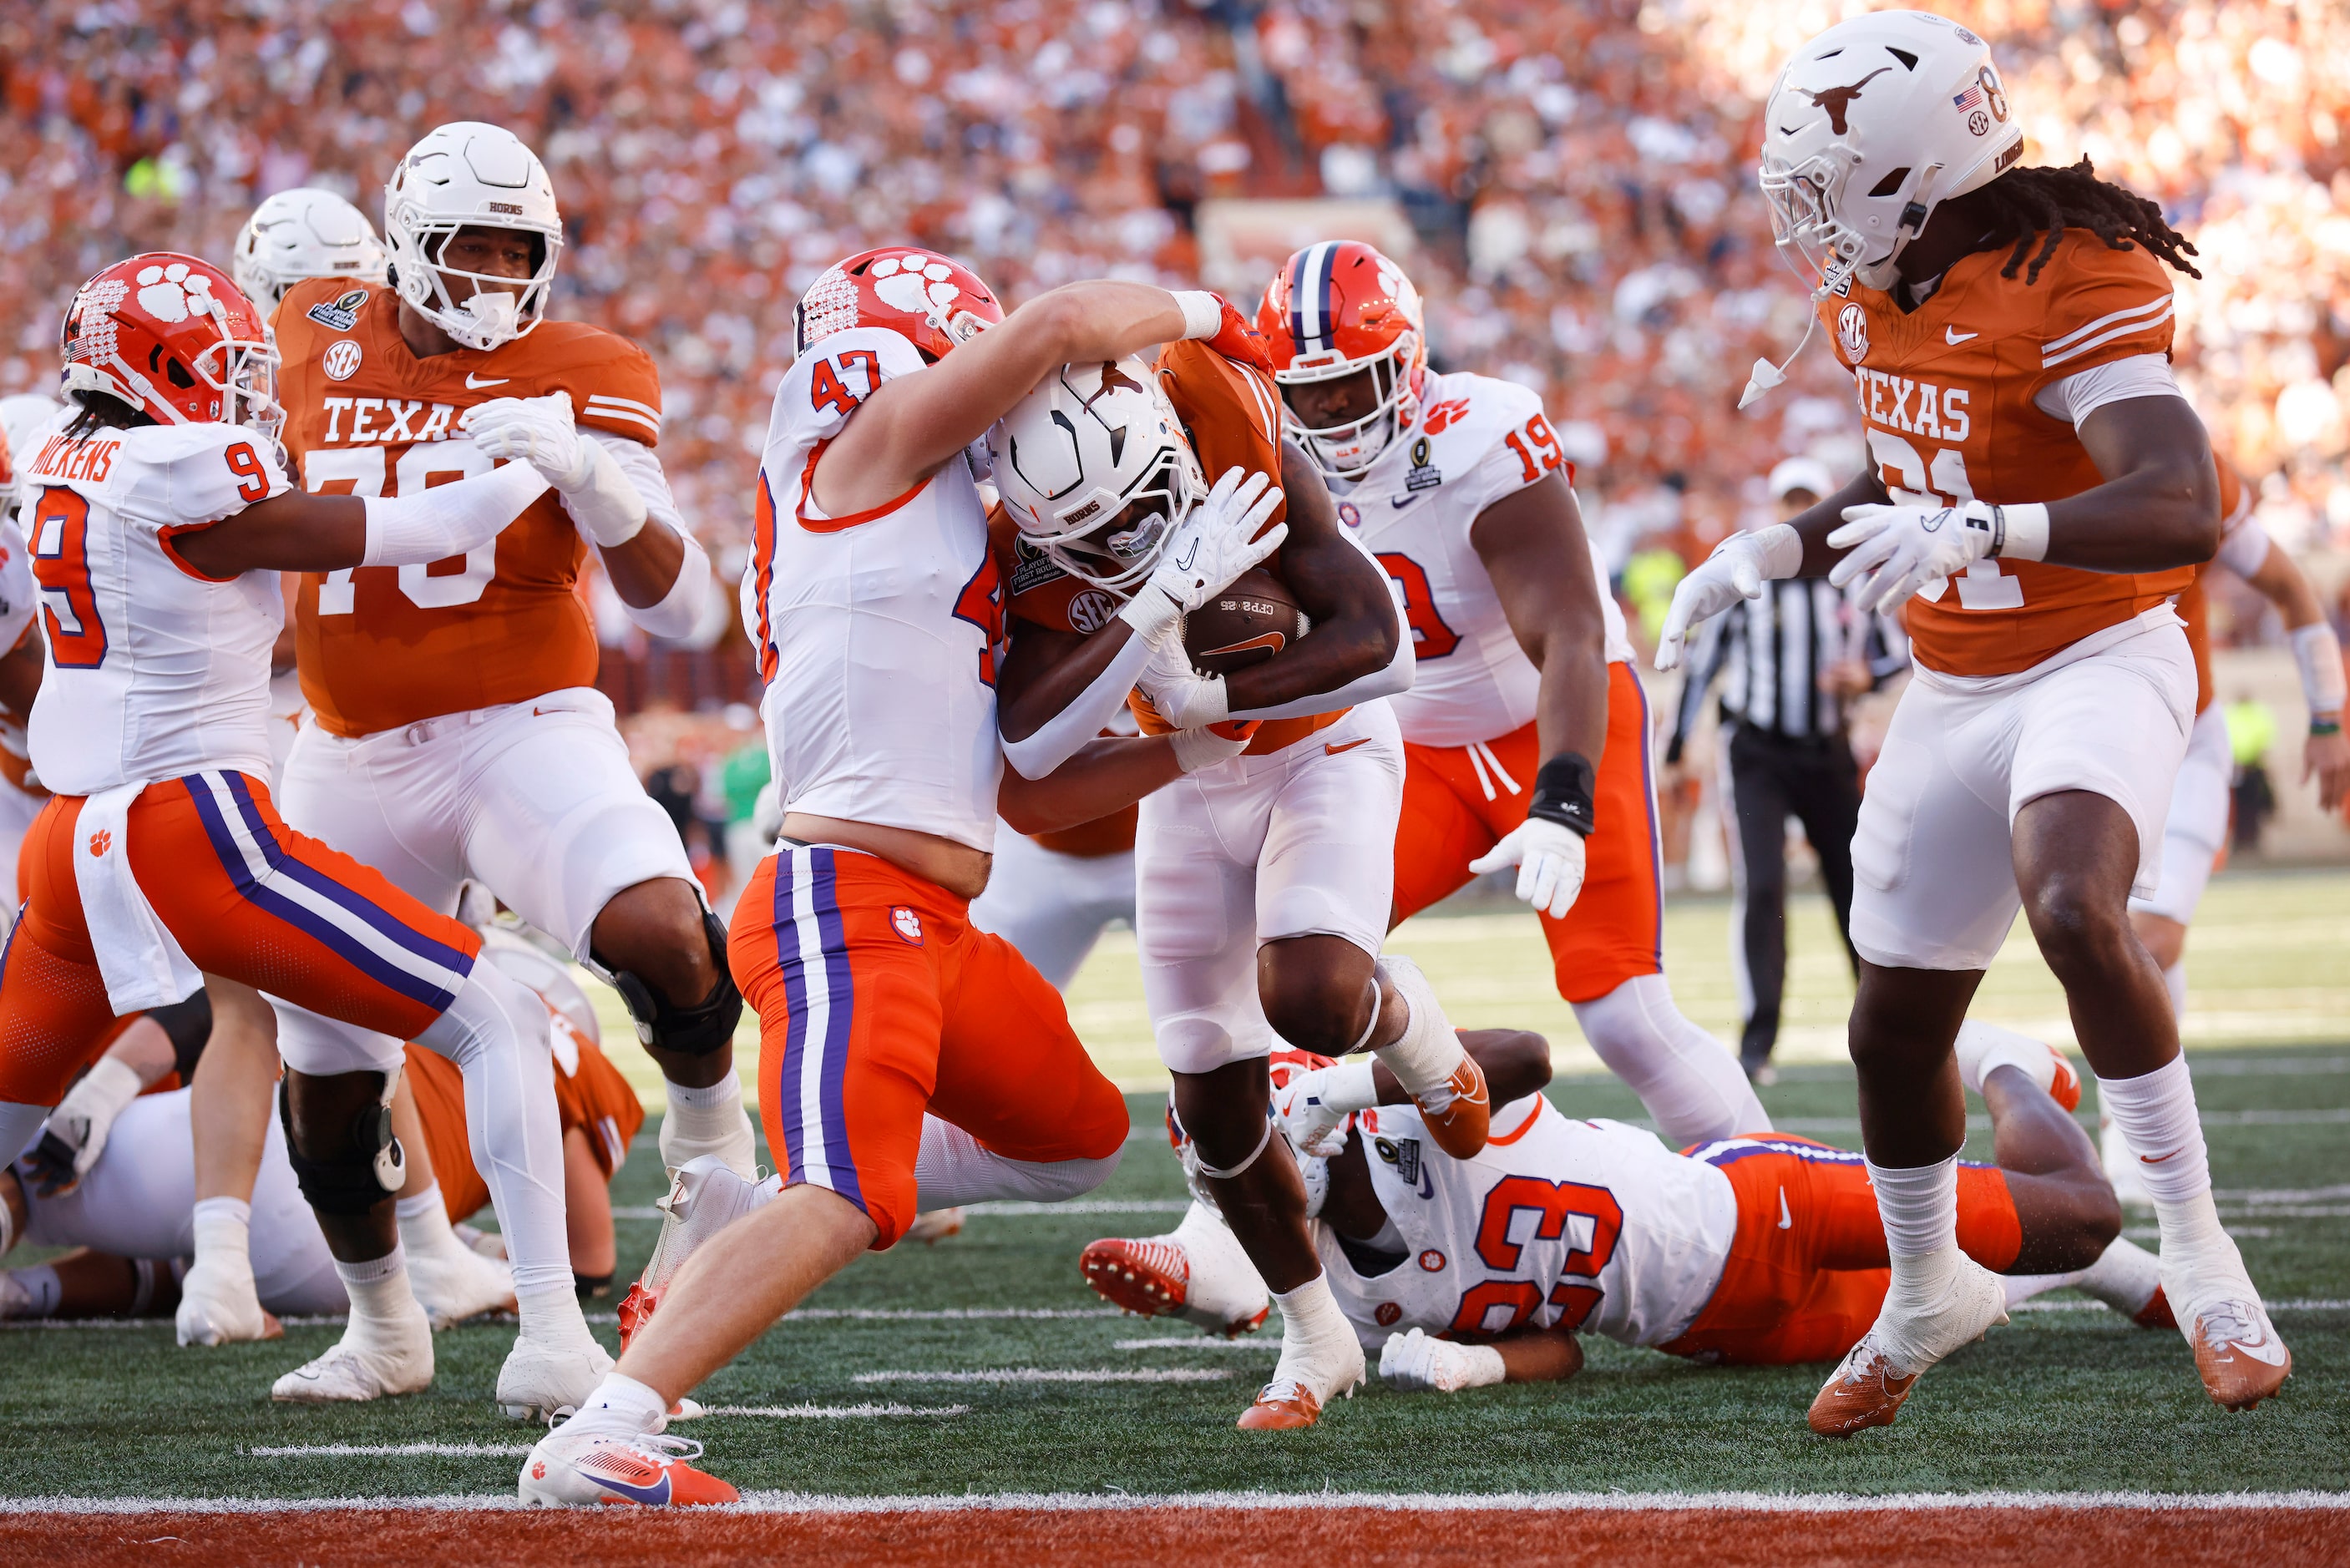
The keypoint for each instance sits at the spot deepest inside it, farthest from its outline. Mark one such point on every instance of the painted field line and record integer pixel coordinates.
(1196, 1342)
(1081, 1206)
(1264, 1501)
(833, 1412)
(1052, 1375)
(2255, 1196)
(385, 1450)
(939, 1315)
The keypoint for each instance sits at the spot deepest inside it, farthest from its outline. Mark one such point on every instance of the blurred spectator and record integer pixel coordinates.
(2251, 731)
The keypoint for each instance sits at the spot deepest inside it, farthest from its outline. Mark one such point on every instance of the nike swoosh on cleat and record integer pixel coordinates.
(473, 384)
(650, 1496)
(1349, 746)
(2266, 1349)
(1953, 337)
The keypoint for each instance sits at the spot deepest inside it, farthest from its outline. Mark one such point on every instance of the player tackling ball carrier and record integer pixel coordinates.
(2038, 493)
(876, 607)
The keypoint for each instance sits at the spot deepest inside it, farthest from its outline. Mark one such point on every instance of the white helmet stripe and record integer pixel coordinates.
(1309, 295)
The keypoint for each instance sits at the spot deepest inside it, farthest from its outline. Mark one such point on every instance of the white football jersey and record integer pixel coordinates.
(877, 632)
(1477, 440)
(153, 671)
(1589, 1225)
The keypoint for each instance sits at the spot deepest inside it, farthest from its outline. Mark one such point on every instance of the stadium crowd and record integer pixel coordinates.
(1581, 178)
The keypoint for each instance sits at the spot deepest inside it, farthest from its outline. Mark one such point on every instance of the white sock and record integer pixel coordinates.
(1982, 1047)
(1425, 1054)
(30, 1293)
(2155, 1113)
(424, 1222)
(224, 1237)
(951, 1167)
(2174, 979)
(2125, 1277)
(497, 1032)
(1690, 1082)
(380, 1299)
(2023, 1287)
(1317, 1342)
(1919, 1208)
(620, 1408)
(552, 1316)
(710, 1120)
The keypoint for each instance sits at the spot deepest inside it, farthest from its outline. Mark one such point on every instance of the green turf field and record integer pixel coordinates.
(2063, 1399)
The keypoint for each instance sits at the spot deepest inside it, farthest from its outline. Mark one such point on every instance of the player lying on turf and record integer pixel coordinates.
(129, 1208)
(1759, 1250)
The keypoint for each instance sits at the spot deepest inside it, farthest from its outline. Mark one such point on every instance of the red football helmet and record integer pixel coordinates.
(1333, 309)
(174, 337)
(932, 301)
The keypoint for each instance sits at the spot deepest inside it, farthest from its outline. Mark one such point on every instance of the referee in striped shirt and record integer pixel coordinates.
(1789, 661)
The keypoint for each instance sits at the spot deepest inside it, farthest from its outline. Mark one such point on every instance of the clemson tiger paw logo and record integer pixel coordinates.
(173, 293)
(907, 283)
(539, 1469)
(100, 843)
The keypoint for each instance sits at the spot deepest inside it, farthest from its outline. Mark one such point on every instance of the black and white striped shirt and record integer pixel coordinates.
(1773, 650)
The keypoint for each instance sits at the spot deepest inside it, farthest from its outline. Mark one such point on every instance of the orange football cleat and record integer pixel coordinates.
(1461, 1127)
(2065, 1087)
(569, 1469)
(1144, 1277)
(2156, 1313)
(2238, 1355)
(1281, 1405)
(1864, 1391)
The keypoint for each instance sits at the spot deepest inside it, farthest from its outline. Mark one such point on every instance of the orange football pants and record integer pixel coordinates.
(1458, 802)
(1808, 1269)
(879, 999)
(246, 897)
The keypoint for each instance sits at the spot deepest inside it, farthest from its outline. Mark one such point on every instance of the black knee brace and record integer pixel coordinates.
(189, 1027)
(369, 1167)
(696, 1031)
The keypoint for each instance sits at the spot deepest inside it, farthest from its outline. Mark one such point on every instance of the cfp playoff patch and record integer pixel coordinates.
(1422, 476)
(1403, 1153)
(340, 314)
(1031, 568)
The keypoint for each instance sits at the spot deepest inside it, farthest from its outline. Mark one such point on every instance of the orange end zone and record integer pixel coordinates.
(967, 1538)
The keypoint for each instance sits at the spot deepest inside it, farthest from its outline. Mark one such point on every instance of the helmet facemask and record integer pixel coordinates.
(1122, 552)
(495, 312)
(1807, 202)
(1346, 451)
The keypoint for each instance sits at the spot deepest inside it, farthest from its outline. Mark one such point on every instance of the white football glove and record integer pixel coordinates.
(1186, 699)
(1311, 1107)
(540, 432)
(1213, 743)
(1549, 858)
(74, 1134)
(1216, 542)
(1418, 1365)
(1904, 548)
(1736, 570)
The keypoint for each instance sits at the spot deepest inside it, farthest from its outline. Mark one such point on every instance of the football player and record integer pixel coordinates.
(1263, 881)
(456, 732)
(131, 1210)
(26, 420)
(300, 234)
(1525, 732)
(160, 518)
(1764, 1249)
(2039, 494)
(876, 608)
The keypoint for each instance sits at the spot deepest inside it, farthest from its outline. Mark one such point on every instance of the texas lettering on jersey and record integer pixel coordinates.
(1232, 416)
(381, 647)
(1947, 393)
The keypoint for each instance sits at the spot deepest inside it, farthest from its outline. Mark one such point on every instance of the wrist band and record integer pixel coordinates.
(2325, 726)
(2018, 533)
(1562, 791)
(1203, 313)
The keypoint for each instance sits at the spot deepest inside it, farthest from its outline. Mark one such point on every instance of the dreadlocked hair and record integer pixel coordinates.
(2024, 202)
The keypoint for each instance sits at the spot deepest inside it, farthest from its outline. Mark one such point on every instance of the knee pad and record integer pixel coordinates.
(368, 1167)
(189, 1027)
(696, 1031)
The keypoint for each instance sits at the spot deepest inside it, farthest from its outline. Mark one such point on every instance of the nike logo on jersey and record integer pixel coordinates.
(474, 384)
(1787, 1220)
(1401, 501)
(1953, 337)
(1349, 746)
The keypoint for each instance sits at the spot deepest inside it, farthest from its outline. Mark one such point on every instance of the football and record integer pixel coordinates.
(1246, 624)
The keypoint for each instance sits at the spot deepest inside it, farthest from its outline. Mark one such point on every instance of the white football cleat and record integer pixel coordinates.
(935, 1225)
(548, 1383)
(219, 1306)
(453, 1282)
(584, 1470)
(392, 1358)
(704, 1197)
(1875, 1375)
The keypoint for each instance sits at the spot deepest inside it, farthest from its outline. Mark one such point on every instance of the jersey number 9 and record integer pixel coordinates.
(61, 566)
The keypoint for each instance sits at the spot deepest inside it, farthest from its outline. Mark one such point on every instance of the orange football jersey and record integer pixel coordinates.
(380, 647)
(1945, 391)
(1232, 416)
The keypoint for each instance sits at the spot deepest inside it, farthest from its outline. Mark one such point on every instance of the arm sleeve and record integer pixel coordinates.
(1068, 731)
(2075, 397)
(448, 519)
(678, 612)
(2243, 549)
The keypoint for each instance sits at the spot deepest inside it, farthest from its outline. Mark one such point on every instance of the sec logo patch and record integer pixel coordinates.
(1386, 1313)
(1432, 1260)
(1852, 333)
(341, 361)
(1090, 610)
(907, 924)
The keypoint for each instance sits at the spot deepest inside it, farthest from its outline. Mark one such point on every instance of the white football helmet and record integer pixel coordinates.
(467, 174)
(1093, 469)
(1871, 126)
(303, 233)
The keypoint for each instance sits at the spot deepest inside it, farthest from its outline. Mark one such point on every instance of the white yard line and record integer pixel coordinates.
(1198, 1342)
(1262, 1502)
(385, 1450)
(833, 1412)
(1082, 1206)
(1052, 1375)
